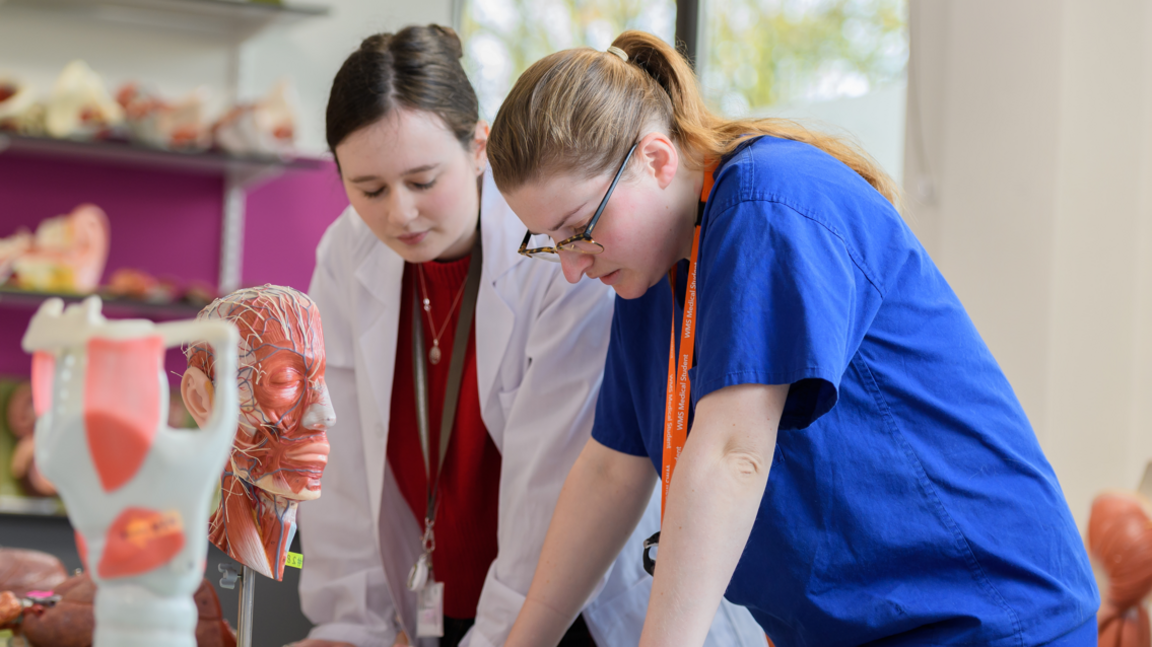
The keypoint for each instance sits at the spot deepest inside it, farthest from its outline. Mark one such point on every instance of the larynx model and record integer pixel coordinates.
(137, 492)
(281, 446)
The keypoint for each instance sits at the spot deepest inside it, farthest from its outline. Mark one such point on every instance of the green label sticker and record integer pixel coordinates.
(295, 560)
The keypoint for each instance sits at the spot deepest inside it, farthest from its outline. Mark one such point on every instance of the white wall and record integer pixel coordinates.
(312, 52)
(1027, 170)
(875, 121)
(35, 46)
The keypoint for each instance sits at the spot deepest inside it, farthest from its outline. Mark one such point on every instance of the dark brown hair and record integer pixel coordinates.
(579, 110)
(416, 67)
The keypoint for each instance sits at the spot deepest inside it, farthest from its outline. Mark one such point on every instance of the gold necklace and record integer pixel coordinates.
(434, 352)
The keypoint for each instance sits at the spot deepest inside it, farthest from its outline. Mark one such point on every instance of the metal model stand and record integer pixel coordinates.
(247, 579)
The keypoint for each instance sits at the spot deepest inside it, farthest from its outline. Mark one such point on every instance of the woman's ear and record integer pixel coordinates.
(660, 157)
(197, 392)
(480, 146)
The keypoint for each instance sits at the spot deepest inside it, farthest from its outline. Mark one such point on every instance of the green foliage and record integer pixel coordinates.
(754, 53)
(757, 53)
(503, 37)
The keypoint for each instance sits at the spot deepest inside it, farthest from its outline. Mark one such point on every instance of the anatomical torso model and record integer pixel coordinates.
(137, 491)
(281, 447)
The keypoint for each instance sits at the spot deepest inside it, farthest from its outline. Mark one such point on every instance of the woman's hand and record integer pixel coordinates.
(603, 499)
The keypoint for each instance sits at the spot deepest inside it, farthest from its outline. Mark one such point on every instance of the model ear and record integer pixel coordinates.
(197, 392)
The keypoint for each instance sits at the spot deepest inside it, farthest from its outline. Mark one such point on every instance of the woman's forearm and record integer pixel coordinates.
(603, 499)
(712, 505)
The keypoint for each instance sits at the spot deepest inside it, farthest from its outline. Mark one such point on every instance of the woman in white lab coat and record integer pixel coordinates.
(425, 221)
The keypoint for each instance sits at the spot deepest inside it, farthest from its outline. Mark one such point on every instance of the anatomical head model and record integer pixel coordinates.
(281, 446)
(137, 491)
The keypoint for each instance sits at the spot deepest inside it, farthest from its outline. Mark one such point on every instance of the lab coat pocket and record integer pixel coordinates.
(507, 399)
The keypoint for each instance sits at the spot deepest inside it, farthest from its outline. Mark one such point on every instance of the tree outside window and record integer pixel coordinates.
(759, 53)
(503, 37)
(836, 64)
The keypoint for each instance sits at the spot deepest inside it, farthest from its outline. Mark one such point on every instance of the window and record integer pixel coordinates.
(834, 64)
(509, 35)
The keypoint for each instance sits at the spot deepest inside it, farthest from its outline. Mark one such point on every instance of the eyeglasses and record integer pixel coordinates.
(582, 242)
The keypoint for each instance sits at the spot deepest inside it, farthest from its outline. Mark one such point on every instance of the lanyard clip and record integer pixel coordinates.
(428, 541)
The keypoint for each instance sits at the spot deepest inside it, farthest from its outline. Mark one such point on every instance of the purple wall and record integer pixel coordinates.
(168, 223)
(285, 220)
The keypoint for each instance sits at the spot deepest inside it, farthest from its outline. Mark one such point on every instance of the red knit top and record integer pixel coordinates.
(466, 515)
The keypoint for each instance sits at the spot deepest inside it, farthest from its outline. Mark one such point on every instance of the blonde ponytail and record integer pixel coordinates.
(580, 110)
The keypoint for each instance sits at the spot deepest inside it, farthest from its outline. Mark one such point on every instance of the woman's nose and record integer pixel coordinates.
(401, 208)
(574, 264)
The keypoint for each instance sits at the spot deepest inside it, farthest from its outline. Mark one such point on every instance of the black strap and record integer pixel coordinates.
(455, 372)
(649, 561)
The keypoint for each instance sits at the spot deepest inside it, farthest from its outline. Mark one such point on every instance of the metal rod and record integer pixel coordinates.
(688, 29)
(244, 616)
(232, 235)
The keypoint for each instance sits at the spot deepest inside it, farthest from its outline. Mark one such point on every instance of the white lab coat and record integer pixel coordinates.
(540, 348)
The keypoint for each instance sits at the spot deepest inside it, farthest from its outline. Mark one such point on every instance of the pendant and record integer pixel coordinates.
(434, 353)
(418, 576)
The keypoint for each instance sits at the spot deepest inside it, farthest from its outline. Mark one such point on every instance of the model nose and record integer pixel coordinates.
(320, 416)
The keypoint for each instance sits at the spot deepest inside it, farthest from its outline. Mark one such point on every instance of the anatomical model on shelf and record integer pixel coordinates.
(80, 106)
(281, 447)
(21, 419)
(137, 492)
(19, 110)
(152, 120)
(67, 254)
(12, 248)
(266, 127)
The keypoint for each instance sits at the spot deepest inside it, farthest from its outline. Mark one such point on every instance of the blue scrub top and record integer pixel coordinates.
(908, 501)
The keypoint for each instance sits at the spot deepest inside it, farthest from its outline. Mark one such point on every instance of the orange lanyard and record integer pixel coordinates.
(679, 388)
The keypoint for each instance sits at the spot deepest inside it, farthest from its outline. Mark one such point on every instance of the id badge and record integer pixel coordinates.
(430, 611)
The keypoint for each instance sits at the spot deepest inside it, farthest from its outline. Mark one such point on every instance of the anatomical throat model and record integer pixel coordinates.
(281, 447)
(137, 491)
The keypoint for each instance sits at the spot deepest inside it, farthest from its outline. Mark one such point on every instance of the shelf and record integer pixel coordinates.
(11, 297)
(231, 19)
(135, 155)
(35, 506)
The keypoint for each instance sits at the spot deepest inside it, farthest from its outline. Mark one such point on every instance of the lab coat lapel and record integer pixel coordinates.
(501, 233)
(379, 318)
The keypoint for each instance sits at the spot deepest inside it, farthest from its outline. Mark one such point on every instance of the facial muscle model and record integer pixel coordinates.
(281, 447)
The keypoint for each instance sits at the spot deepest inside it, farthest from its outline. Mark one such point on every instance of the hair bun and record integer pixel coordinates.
(376, 42)
(449, 39)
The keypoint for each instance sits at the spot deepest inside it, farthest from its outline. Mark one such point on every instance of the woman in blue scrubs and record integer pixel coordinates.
(858, 469)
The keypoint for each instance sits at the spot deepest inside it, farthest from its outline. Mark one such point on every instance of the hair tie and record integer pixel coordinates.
(612, 49)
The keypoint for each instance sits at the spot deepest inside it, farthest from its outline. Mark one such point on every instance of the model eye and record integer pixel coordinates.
(286, 377)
